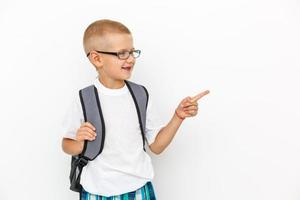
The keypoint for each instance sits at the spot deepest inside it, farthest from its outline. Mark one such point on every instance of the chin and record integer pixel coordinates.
(126, 77)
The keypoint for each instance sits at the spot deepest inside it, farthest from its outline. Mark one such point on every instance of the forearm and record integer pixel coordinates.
(165, 135)
(72, 147)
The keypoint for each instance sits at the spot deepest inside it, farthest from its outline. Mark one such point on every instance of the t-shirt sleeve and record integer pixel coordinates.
(153, 122)
(73, 119)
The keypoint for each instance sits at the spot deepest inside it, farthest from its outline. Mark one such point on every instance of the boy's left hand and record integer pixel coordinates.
(188, 107)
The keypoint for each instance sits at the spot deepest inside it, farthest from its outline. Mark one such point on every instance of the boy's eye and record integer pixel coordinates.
(123, 54)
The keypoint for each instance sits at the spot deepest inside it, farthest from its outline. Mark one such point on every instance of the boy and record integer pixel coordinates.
(123, 170)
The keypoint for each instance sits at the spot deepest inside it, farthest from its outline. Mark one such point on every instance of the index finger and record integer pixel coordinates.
(88, 124)
(200, 95)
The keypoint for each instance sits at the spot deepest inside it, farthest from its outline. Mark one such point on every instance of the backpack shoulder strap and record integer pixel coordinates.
(92, 113)
(89, 99)
(140, 96)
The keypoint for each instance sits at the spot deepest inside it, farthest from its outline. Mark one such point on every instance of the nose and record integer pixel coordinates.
(130, 59)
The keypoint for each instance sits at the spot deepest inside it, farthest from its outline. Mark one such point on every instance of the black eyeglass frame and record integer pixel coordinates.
(117, 53)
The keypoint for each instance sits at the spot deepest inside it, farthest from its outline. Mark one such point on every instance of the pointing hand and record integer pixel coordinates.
(188, 107)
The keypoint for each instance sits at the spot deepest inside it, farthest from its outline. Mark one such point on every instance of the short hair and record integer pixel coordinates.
(98, 30)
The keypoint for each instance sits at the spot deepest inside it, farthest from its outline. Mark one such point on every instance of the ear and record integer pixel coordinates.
(96, 59)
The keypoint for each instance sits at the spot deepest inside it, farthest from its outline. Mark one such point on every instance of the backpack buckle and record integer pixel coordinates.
(81, 162)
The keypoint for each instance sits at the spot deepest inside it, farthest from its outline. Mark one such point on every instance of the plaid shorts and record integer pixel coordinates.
(144, 193)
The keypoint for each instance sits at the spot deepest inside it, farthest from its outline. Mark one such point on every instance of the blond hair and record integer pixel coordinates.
(95, 33)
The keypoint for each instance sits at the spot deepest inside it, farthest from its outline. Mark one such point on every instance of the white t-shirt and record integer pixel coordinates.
(123, 166)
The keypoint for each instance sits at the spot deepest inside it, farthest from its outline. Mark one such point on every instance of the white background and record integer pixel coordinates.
(243, 144)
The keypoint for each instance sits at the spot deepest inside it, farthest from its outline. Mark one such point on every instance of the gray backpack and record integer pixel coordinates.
(92, 113)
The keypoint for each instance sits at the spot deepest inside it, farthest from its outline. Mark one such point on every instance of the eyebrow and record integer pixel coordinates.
(126, 49)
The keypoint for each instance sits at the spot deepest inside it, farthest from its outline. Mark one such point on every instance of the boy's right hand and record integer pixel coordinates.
(86, 132)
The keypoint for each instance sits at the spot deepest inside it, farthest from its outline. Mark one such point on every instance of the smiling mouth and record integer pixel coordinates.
(127, 68)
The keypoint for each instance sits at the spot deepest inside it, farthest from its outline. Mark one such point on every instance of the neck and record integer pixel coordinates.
(111, 84)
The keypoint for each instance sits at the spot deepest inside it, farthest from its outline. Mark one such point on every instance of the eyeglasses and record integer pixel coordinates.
(123, 55)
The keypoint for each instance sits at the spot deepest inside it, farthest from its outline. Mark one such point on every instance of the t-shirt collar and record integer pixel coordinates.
(108, 91)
